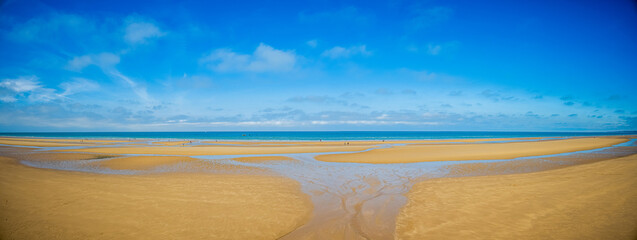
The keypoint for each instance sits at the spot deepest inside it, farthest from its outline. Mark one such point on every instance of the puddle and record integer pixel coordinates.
(353, 200)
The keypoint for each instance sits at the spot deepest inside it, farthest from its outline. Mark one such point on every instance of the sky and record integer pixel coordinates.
(318, 65)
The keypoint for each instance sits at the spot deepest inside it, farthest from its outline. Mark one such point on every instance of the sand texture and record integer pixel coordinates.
(51, 204)
(362, 142)
(478, 151)
(50, 142)
(590, 201)
(142, 162)
(219, 150)
(163, 189)
(262, 159)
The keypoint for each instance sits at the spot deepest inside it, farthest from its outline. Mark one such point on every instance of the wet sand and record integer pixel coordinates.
(142, 162)
(459, 152)
(219, 150)
(364, 142)
(49, 142)
(348, 200)
(589, 201)
(51, 204)
(262, 159)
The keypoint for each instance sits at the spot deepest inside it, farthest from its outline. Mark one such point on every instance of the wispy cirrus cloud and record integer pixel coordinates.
(77, 85)
(139, 89)
(21, 84)
(27, 87)
(264, 59)
(103, 60)
(30, 88)
(342, 52)
(317, 99)
(140, 31)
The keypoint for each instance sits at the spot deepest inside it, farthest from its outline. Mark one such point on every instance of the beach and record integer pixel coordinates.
(51, 204)
(459, 151)
(487, 188)
(590, 201)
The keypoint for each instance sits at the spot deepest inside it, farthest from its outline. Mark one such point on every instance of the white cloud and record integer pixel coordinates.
(7, 98)
(264, 59)
(140, 91)
(140, 32)
(103, 60)
(21, 84)
(43, 95)
(26, 86)
(106, 61)
(341, 52)
(78, 85)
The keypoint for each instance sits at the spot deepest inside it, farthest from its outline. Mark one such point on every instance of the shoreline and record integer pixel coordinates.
(354, 152)
(248, 138)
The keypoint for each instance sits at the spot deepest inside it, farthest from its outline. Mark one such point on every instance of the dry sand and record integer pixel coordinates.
(51, 204)
(142, 162)
(47, 156)
(590, 201)
(219, 150)
(477, 151)
(595, 201)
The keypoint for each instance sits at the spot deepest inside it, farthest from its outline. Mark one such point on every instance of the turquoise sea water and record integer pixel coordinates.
(310, 135)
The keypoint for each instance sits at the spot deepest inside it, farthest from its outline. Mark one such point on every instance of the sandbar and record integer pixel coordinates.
(589, 201)
(473, 151)
(24, 142)
(48, 156)
(52, 204)
(364, 142)
(53, 142)
(218, 150)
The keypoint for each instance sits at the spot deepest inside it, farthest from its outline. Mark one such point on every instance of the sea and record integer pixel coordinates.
(309, 135)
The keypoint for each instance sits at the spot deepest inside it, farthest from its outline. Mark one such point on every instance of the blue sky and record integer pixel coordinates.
(319, 65)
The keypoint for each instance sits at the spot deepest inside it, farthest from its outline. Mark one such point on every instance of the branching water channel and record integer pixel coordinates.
(355, 200)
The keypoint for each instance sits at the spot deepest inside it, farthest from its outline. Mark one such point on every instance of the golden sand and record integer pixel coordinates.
(478, 151)
(66, 140)
(262, 159)
(142, 162)
(361, 142)
(219, 150)
(51, 204)
(50, 142)
(48, 156)
(24, 142)
(590, 201)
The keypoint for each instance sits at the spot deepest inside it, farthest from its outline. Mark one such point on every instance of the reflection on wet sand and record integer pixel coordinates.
(350, 200)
